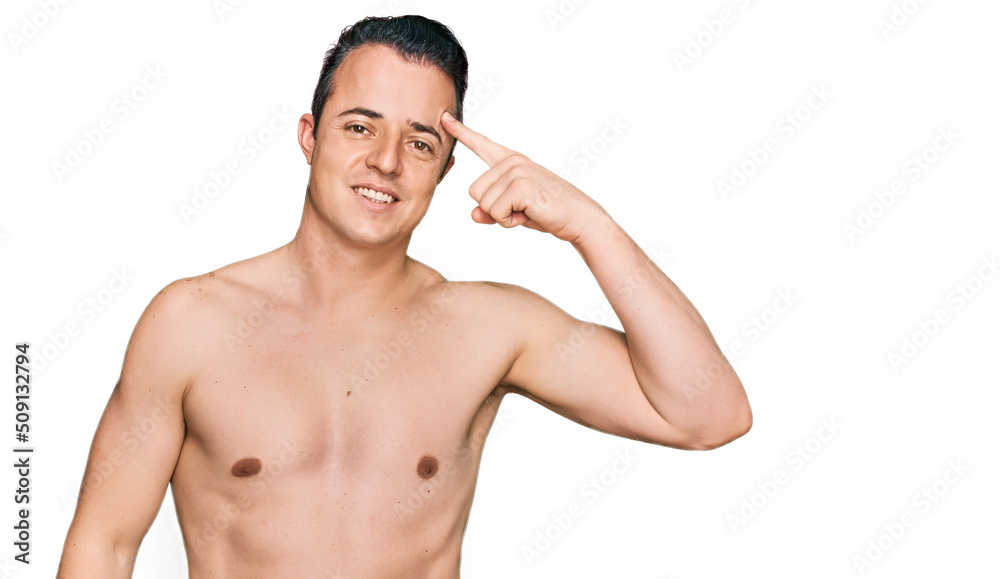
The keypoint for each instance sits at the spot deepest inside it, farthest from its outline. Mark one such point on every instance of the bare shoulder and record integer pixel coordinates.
(497, 316)
(171, 319)
(507, 303)
(194, 298)
(183, 319)
(216, 293)
(477, 301)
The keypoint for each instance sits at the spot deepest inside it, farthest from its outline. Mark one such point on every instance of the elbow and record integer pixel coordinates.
(733, 422)
(724, 432)
(740, 426)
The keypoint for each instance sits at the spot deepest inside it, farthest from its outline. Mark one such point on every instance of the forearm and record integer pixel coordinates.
(88, 557)
(677, 362)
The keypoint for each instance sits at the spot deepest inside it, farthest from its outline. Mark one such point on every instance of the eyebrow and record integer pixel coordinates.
(362, 111)
(419, 127)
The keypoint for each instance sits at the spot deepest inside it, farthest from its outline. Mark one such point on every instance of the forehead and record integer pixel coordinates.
(377, 77)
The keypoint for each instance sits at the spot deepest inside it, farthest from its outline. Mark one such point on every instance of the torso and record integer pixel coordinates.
(340, 447)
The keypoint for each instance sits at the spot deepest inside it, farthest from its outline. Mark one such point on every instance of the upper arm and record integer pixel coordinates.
(139, 437)
(582, 371)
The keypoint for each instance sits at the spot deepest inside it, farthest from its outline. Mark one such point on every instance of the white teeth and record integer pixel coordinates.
(376, 196)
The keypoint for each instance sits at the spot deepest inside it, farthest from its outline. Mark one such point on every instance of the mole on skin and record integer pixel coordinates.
(427, 466)
(246, 467)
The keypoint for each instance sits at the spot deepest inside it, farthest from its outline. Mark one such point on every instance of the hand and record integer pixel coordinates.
(517, 191)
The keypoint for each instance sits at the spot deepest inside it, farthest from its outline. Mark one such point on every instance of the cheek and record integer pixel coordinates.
(427, 169)
(333, 159)
(424, 178)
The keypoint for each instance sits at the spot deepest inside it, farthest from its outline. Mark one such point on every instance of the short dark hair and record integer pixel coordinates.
(415, 38)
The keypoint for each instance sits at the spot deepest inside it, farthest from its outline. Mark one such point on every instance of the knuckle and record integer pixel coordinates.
(517, 172)
(512, 160)
(520, 182)
(517, 158)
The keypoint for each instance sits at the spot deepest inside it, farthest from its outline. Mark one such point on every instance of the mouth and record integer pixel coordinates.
(375, 194)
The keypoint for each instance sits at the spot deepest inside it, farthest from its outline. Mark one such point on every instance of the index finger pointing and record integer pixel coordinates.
(479, 144)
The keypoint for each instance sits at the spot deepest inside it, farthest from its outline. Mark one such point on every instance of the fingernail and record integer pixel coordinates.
(448, 116)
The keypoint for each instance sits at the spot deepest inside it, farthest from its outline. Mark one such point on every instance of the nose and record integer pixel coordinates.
(384, 155)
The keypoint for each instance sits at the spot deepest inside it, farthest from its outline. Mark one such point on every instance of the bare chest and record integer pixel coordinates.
(387, 404)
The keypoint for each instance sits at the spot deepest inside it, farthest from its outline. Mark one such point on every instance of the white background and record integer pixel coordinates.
(548, 86)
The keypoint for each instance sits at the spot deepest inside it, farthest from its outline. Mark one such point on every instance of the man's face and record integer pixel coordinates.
(380, 130)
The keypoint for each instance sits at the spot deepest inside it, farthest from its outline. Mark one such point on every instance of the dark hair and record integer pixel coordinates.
(415, 38)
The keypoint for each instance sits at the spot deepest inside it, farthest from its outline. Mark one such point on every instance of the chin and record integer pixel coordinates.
(372, 236)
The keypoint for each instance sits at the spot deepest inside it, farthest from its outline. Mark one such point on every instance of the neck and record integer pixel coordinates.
(340, 273)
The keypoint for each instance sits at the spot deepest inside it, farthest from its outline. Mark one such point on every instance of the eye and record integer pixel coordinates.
(357, 129)
(422, 146)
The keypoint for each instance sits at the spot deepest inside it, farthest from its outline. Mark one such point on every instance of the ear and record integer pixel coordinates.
(306, 140)
(451, 162)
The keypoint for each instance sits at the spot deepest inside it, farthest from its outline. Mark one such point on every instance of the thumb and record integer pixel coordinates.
(480, 216)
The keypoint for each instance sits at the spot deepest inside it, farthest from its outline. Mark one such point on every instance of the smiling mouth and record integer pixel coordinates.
(376, 196)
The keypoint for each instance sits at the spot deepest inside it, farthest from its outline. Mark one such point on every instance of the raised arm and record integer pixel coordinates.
(135, 447)
(664, 380)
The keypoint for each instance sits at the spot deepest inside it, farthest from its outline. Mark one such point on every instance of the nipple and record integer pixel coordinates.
(427, 466)
(246, 467)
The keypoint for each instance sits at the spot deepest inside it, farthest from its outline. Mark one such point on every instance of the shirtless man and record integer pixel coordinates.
(320, 410)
